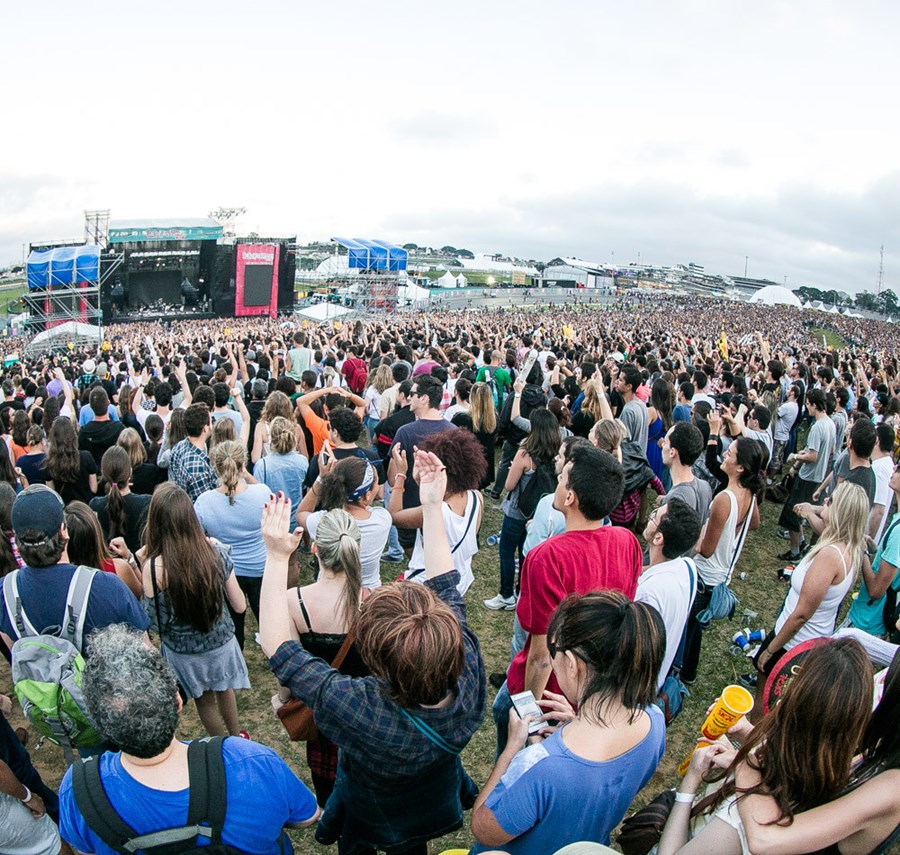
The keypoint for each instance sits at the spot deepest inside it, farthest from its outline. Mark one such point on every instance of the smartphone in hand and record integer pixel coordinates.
(526, 706)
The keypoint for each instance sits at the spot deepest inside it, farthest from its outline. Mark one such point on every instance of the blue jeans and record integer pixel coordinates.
(512, 539)
(500, 711)
(519, 637)
(394, 549)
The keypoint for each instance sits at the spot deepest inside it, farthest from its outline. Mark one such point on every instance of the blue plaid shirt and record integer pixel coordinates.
(190, 469)
(380, 745)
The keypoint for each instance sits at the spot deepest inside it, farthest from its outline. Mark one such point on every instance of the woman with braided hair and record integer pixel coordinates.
(231, 514)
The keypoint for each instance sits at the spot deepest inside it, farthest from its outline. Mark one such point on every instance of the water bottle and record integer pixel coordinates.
(493, 539)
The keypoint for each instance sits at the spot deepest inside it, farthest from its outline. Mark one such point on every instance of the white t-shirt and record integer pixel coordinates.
(373, 534)
(883, 468)
(667, 587)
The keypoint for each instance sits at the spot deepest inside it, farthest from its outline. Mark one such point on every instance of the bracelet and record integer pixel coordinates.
(685, 798)
(28, 796)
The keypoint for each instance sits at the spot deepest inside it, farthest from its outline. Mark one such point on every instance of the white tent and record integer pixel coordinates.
(461, 281)
(334, 265)
(834, 310)
(776, 295)
(58, 337)
(413, 294)
(323, 312)
(448, 280)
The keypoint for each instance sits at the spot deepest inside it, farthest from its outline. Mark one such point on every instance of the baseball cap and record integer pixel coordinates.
(37, 509)
(102, 369)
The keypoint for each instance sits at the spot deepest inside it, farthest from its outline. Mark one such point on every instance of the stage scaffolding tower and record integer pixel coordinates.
(96, 227)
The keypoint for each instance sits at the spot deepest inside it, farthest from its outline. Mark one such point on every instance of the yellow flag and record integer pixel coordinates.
(723, 345)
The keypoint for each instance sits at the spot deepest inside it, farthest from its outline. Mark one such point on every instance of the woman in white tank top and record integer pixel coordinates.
(462, 508)
(822, 579)
(733, 513)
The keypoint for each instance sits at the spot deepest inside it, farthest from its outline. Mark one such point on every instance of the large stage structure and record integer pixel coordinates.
(177, 269)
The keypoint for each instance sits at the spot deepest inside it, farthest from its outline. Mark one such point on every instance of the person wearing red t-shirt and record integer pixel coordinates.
(588, 556)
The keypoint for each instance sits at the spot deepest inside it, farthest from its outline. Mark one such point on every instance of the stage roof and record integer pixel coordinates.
(373, 254)
(198, 228)
(63, 265)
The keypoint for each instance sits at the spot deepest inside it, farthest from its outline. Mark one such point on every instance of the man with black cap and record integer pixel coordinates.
(43, 583)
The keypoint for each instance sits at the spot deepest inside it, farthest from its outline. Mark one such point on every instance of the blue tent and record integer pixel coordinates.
(63, 265)
(373, 254)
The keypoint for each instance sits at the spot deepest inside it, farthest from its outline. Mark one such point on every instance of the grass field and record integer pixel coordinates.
(759, 591)
(832, 339)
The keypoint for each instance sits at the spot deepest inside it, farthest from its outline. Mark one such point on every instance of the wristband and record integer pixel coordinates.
(685, 798)
(27, 795)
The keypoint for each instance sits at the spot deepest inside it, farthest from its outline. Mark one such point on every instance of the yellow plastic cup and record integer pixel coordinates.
(733, 704)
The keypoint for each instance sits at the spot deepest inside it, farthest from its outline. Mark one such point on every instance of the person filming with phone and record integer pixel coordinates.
(606, 652)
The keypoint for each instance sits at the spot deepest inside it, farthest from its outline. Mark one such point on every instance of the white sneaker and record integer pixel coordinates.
(500, 603)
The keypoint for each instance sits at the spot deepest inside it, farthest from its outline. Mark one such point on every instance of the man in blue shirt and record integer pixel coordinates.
(132, 695)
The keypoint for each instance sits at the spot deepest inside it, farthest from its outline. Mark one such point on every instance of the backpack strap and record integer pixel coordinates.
(208, 788)
(94, 805)
(431, 734)
(76, 605)
(17, 618)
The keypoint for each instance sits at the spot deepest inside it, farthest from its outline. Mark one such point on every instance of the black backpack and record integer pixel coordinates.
(542, 482)
(206, 809)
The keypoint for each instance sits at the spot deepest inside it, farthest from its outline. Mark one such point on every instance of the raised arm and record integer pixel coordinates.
(275, 626)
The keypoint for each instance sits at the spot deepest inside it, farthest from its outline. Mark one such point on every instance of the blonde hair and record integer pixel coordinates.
(282, 437)
(382, 378)
(591, 402)
(608, 435)
(481, 409)
(338, 549)
(130, 440)
(278, 404)
(228, 459)
(847, 521)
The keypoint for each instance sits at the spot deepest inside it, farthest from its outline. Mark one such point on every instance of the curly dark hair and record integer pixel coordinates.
(463, 456)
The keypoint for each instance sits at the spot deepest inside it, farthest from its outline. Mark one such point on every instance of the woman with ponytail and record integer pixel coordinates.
(86, 546)
(350, 484)
(188, 582)
(231, 513)
(121, 512)
(606, 652)
(322, 614)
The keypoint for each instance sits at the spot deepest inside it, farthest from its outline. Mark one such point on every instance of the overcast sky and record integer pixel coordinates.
(675, 131)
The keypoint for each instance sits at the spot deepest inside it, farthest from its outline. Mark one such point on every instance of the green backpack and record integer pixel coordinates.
(47, 666)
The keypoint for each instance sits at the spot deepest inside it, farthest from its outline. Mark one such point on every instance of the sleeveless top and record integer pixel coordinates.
(178, 635)
(326, 645)
(821, 623)
(717, 568)
(462, 533)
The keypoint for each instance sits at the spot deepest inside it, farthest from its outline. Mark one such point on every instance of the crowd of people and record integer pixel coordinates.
(154, 489)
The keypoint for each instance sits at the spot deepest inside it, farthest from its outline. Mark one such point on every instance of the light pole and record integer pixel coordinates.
(746, 261)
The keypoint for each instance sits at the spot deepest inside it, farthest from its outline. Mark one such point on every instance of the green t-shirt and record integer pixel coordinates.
(502, 381)
(869, 616)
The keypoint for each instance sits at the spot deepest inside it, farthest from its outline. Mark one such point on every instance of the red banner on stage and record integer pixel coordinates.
(256, 280)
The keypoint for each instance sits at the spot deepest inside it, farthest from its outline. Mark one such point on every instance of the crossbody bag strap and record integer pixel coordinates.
(739, 544)
(475, 506)
(431, 734)
(690, 566)
(345, 649)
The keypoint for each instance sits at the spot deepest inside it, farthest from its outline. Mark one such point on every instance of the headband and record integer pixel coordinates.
(365, 486)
